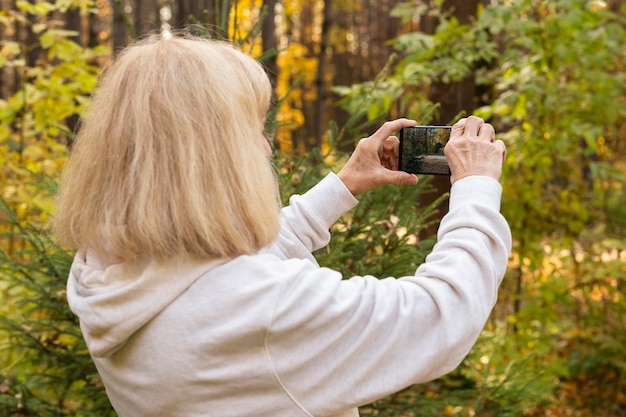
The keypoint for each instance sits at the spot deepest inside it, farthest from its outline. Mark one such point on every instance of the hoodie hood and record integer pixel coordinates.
(115, 300)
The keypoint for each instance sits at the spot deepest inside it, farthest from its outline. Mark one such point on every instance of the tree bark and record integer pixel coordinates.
(120, 37)
(320, 121)
(454, 98)
(268, 40)
(7, 74)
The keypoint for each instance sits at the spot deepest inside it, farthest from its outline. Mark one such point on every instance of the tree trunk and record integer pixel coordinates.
(615, 5)
(320, 126)
(7, 74)
(457, 97)
(306, 132)
(270, 50)
(268, 39)
(454, 99)
(120, 37)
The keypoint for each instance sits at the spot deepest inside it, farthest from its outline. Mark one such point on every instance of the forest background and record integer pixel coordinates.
(549, 75)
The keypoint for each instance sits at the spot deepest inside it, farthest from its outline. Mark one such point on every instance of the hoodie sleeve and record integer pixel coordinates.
(337, 344)
(306, 222)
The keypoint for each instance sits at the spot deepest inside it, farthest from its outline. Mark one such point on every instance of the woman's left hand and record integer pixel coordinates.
(374, 161)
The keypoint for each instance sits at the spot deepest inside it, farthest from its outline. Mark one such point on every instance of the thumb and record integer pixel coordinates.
(400, 178)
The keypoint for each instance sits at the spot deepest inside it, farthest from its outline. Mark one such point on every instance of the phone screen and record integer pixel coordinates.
(421, 150)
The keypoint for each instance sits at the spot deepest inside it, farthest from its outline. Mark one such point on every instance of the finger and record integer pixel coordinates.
(386, 160)
(399, 178)
(389, 127)
(502, 147)
(391, 145)
(461, 122)
(473, 125)
(389, 153)
(457, 129)
(487, 132)
(408, 179)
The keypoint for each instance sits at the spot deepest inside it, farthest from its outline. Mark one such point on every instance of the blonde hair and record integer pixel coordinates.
(170, 159)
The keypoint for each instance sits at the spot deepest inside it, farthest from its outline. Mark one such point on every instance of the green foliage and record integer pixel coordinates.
(559, 92)
(46, 368)
(56, 86)
(449, 55)
(558, 88)
(381, 236)
(489, 383)
(551, 75)
(52, 90)
(574, 317)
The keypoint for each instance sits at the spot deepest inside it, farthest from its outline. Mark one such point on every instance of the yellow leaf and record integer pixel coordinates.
(33, 153)
(42, 9)
(4, 133)
(449, 410)
(47, 39)
(22, 4)
(38, 9)
(39, 27)
(10, 48)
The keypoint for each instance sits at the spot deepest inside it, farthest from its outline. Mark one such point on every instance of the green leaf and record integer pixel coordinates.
(373, 111)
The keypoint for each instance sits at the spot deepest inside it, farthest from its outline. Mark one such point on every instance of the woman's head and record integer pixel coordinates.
(170, 157)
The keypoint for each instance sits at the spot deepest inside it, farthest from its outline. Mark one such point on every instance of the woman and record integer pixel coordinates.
(198, 296)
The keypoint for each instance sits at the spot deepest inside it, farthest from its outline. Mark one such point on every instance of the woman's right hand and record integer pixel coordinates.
(374, 161)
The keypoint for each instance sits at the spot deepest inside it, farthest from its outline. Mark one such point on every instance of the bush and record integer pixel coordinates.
(47, 370)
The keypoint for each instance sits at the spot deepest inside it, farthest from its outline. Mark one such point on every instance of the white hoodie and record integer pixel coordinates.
(275, 335)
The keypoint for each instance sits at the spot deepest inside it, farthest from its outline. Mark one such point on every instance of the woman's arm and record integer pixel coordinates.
(337, 344)
(305, 223)
(308, 218)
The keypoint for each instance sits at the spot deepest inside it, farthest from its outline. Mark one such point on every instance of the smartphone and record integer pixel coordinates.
(421, 150)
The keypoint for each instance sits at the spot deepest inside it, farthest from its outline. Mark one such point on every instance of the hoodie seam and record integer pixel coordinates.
(270, 362)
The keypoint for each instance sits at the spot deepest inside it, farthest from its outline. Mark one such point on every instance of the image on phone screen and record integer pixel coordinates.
(421, 150)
